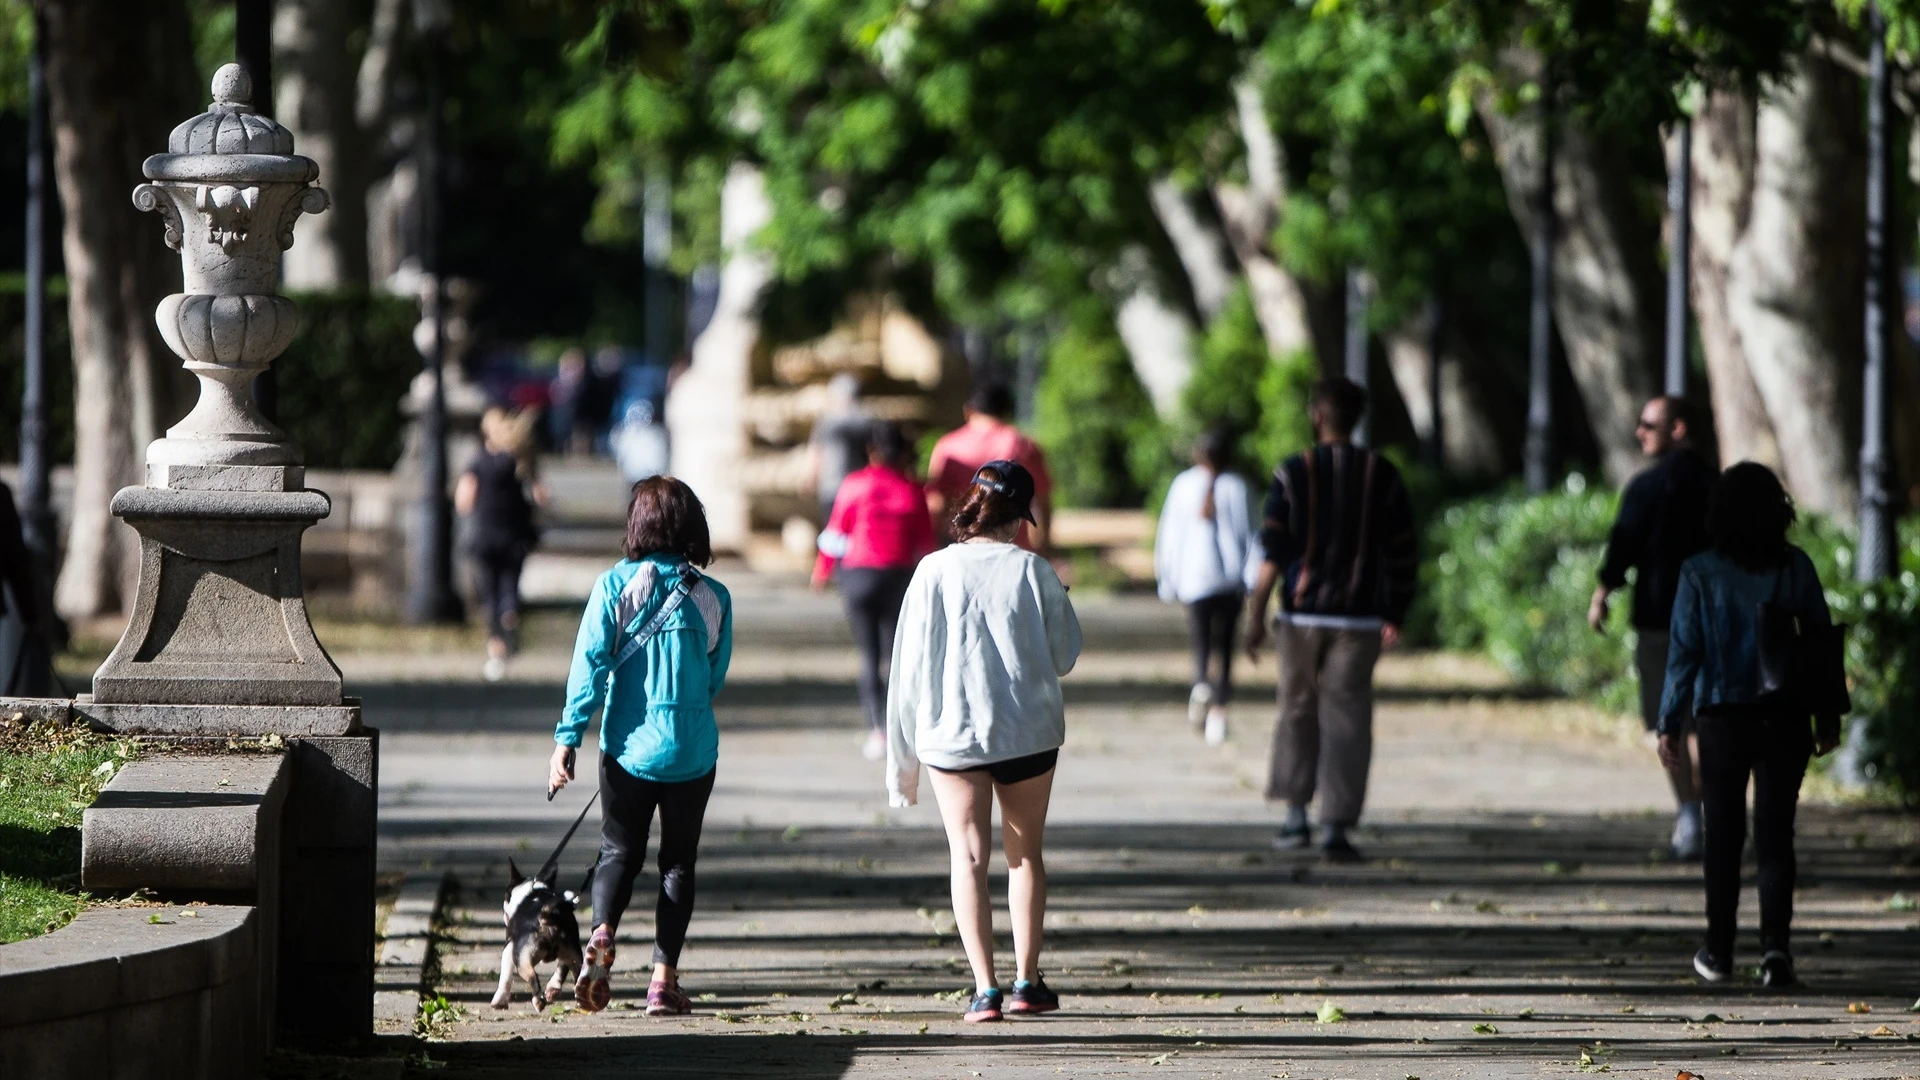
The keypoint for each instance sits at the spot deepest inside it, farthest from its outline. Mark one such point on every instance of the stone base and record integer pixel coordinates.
(249, 721)
(220, 618)
(326, 924)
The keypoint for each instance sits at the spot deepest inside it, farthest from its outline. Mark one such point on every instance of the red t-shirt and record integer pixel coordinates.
(879, 521)
(960, 453)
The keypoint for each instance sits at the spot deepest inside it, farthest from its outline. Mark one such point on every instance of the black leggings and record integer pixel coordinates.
(873, 599)
(626, 812)
(496, 584)
(1211, 622)
(1736, 741)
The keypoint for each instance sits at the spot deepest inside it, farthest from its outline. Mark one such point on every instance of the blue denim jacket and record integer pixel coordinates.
(1713, 655)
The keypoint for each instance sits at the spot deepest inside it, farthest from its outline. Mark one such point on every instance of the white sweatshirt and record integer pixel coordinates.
(984, 637)
(1195, 556)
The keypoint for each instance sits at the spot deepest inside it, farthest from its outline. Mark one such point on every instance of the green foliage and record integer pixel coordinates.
(342, 380)
(1238, 385)
(48, 776)
(1105, 446)
(1511, 576)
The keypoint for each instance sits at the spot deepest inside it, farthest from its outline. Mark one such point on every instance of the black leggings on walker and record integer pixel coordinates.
(1211, 623)
(1738, 741)
(873, 597)
(626, 812)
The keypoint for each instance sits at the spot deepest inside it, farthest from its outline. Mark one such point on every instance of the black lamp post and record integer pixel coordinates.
(430, 595)
(36, 463)
(1876, 556)
(1355, 345)
(1680, 208)
(1539, 446)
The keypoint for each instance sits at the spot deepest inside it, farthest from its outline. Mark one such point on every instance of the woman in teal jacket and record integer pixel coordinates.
(652, 653)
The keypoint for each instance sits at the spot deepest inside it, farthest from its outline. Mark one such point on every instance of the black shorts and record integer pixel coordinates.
(1014, 770)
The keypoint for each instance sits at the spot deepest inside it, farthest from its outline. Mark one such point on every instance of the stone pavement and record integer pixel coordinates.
(1514, 919)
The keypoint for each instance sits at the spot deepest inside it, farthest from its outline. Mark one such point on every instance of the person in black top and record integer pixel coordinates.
(1662, 523)
(499, 491)
(26, 664)
(1339, 541)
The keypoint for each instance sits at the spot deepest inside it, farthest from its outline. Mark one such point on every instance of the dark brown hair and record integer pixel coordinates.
(983, 510)
(1341, 403)
(666, 518)
(1748, 515)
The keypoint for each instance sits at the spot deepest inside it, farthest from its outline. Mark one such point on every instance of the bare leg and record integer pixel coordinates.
(503, 995)
(665, 973)
(966, 809)
(1023, 825)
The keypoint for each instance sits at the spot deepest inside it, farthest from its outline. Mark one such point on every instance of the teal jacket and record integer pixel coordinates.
(658, 707)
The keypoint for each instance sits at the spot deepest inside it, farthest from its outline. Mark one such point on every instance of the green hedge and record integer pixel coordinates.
(340, 382)
(1511, 576)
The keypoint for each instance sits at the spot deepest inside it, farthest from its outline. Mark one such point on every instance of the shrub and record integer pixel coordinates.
(1105, 446)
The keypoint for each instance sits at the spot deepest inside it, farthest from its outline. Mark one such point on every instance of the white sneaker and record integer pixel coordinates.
(1689, 837)
(494, 669)
(1216, 732)
(875, 747)
(1197, 703)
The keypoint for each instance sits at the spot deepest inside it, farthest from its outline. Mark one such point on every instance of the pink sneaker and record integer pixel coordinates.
(667, 999)
(594, 990)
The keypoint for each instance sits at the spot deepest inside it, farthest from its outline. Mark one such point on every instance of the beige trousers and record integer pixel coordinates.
(1324, 742)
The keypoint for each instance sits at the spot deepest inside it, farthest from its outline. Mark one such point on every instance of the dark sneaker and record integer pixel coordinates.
(1339, 849)
(1776, 970)
(1292, 838)
(594, 989)
(667, 999)
(984, 1007)
(1032, 998)
(1711, 968)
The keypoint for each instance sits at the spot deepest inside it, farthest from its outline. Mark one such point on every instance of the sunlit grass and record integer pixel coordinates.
(48, 776)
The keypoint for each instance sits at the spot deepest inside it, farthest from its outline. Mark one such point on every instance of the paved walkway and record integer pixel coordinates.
(1514, 919)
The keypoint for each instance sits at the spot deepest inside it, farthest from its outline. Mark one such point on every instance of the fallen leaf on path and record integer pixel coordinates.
(1685, 1075)
(1883, 1032)
(1902, 902)
(1859, 1007)
(1485, 1029)
(1330, 1013)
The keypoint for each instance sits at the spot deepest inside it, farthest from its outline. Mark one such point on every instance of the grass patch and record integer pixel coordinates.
(48, 775)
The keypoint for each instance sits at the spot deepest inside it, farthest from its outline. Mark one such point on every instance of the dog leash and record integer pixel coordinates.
(552, 865)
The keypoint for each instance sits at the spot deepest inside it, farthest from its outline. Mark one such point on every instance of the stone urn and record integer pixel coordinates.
(220, 617)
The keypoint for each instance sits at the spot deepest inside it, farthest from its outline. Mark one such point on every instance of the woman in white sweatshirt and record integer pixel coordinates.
(984, 637)
(1205, 544)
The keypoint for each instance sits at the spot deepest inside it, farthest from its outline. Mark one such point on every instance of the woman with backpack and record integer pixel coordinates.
(985, 636)
(653, 650)
(1732, 603)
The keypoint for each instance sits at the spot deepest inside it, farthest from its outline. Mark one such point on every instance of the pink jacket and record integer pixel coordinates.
(879, 521)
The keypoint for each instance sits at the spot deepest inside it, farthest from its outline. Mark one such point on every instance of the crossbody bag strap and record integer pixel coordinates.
(688, 580)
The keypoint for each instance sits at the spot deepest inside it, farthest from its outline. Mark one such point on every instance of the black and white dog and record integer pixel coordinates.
(541, 928)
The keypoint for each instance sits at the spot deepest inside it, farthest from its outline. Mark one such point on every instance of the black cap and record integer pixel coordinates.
(1015, 483)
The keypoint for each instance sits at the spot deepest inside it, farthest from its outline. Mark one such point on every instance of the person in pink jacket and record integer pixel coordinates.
(877, 532)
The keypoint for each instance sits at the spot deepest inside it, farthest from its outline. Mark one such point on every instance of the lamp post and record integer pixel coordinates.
(36, 467)
(1539, 447)
(1355, 360)
(1876, 554)
(1436, 448)
(430, 595)
(1680, 209)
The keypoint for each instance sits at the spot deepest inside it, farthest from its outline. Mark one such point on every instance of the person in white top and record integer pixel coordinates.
(1205, 544)
(984, 637)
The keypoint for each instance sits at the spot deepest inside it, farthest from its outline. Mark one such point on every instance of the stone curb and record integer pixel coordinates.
(406, 951)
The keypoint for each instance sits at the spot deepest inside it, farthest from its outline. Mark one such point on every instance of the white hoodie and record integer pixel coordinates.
(1196, 556)
(984, 637)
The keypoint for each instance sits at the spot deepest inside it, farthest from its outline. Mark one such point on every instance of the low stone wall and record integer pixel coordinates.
(118, 994)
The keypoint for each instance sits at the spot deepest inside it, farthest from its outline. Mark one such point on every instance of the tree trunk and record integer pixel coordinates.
(1249, 212)
(118, 79)
(315, 95)
(1609, 294)
(1200, 244)
(1796, 276)
(1471, 431)
(1723, 163)
(1157, 332)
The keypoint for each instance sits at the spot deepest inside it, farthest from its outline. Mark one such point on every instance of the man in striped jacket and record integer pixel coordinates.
(1339, 540)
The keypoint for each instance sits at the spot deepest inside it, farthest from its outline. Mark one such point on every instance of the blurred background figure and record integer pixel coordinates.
(601, 391)
(565, 396)
(26, 659)
(499, 491)
(878, 529)
(638, 438)
(840, 438)
(989, 435)
(1201, 555)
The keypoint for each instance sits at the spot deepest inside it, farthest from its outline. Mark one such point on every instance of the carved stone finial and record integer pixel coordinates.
(232, 86)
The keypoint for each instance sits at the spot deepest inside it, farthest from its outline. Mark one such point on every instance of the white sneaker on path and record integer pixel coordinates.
(1198, 702)
(1216, 731)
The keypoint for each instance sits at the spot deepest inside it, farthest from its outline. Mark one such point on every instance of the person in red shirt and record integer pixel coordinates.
(987, 436)
(876, 534)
